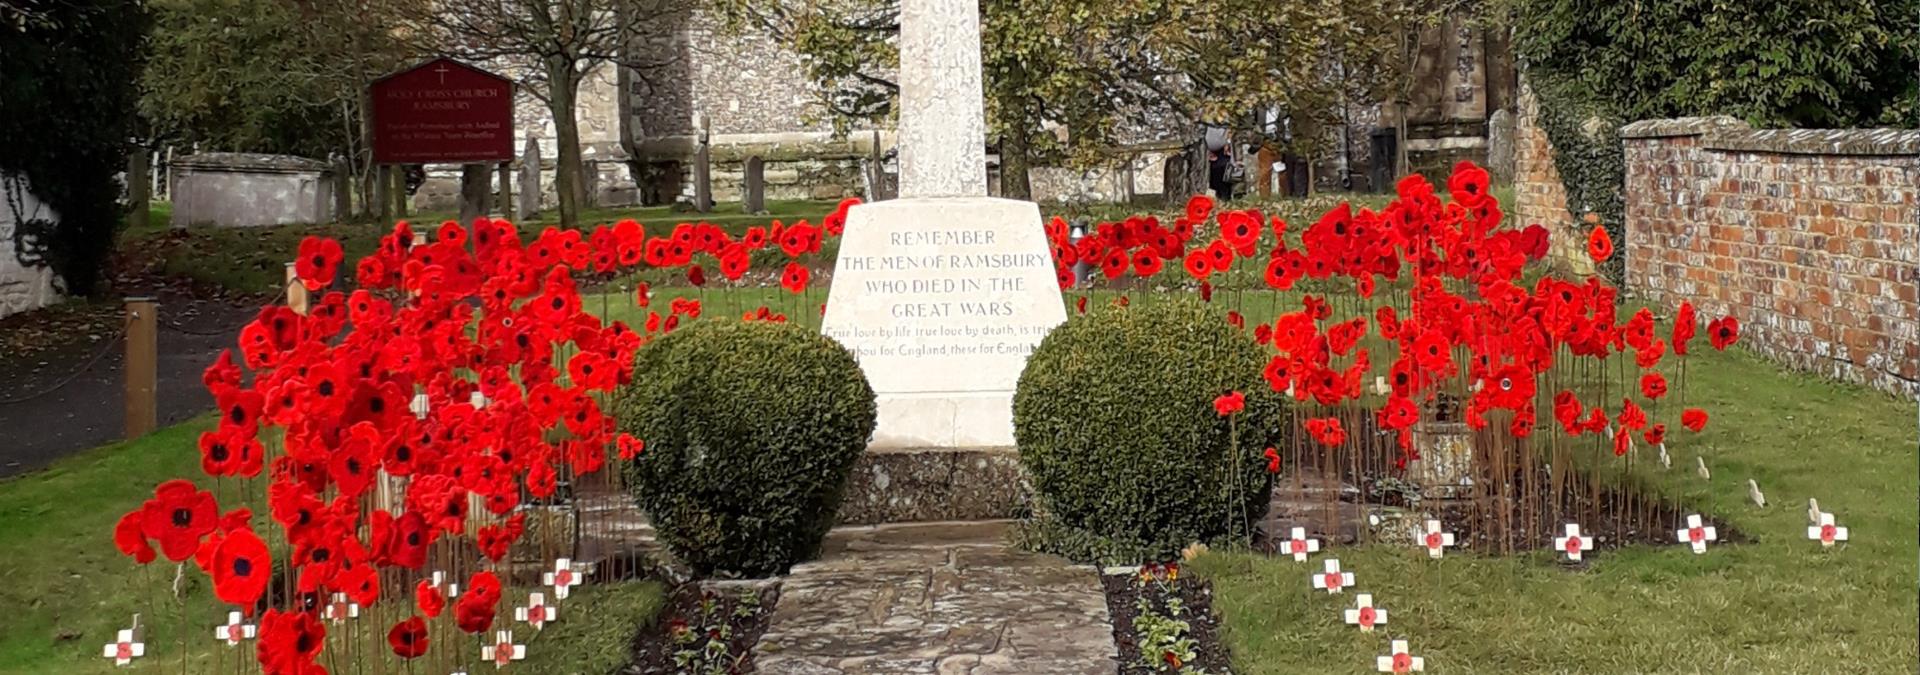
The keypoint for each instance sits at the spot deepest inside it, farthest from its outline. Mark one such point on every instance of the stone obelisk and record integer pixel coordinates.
(941, 294)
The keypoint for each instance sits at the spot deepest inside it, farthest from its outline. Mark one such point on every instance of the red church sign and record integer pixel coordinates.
(442, 112)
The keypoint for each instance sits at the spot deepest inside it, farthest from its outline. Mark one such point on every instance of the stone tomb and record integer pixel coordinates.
(247, 190)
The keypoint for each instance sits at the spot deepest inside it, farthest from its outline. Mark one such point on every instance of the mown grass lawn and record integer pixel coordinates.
(254, 259)
(1779, 604)
(68, 590)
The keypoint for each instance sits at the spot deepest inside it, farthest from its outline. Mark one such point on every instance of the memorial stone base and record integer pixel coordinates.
(941, 300)
(895, 485)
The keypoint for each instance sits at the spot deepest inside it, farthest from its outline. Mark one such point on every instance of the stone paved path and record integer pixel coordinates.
(936, 599)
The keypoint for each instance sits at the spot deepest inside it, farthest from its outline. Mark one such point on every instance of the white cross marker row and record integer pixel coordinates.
(503, 650)
(341, 609)
(446, 588)
(1435, 540)
(1298, 545)
(123, 650)
(1399, 660)
(1364, 614)
(1825, 531)
(1334, 579)
(562, 578)
(234, 630)
(1696, 535)
(537, 612)
(1573, 544)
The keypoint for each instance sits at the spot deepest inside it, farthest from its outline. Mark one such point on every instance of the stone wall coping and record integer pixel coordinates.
(1680, 126)
(1726, 133)
(1867, 142)
(251, 162)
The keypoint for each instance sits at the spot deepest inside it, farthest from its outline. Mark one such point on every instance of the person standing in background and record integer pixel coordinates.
(1220, 163)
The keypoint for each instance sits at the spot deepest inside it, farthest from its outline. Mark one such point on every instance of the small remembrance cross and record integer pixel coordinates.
(1435, 540)
(1573, 543)
(235, 630)
(1364, 614)
(123, 650)
(1299, 545)
(341, 609)
(1398, 660)
(503, 650)
(1334, 579)
(446, 588)
(562, 578)
(1696, 535)
(537, 612)
(1826, 532)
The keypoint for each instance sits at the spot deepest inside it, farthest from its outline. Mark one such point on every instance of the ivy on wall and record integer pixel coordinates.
(67, 111)
(1585, 133)
(1791, 63)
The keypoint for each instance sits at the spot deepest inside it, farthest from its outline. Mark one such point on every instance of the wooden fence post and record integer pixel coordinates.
(142, 365)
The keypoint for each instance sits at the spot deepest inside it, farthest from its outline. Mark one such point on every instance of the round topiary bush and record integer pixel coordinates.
(751, 429)
(1115, 420)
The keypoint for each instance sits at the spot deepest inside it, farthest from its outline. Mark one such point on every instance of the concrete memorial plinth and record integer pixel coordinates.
(941, 300)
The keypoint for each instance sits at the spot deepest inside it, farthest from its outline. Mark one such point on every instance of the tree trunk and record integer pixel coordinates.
(562, 84)
(139, 188)
(398, 173)
(1014, 162)
(476, 191)
(1186, 173)
(343, 190)
(372, 189)
(381, 184)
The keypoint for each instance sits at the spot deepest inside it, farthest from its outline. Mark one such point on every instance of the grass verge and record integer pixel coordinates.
(254, 259)
(69, 590)
(1779, 604)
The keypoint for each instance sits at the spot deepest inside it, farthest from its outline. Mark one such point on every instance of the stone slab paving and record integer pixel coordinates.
(936, 599)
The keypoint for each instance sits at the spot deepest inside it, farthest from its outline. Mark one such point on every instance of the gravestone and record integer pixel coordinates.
(1500, 129)
(753, 188)
(702, 173)
(942, 293)
(529, 181)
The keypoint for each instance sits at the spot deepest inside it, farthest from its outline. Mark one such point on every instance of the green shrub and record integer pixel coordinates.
(751, 430)
(1115, 421)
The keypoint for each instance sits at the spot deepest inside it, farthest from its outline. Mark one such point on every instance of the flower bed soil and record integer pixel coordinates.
(1123, 596)
(1530, 518)
(736, 624)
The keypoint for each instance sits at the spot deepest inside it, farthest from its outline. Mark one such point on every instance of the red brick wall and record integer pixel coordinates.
(1808, 236)
(1538, 195)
